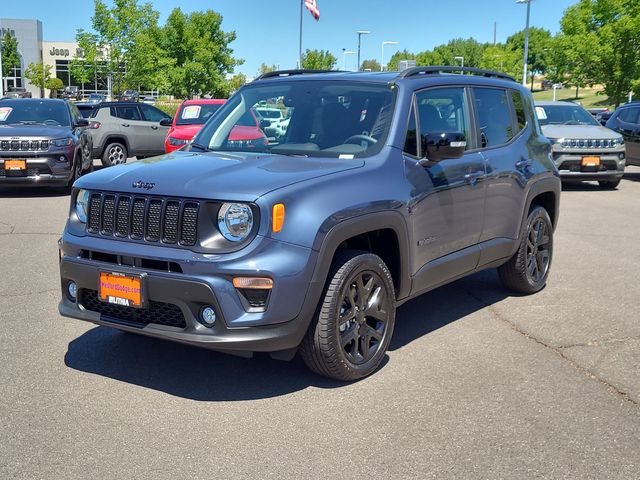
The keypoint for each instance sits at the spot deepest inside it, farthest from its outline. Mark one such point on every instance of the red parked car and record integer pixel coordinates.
(193, 114)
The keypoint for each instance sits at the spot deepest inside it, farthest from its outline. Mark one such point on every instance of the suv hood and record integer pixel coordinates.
(578, 131)
(34, 131)
(185, 132)
(214, 175)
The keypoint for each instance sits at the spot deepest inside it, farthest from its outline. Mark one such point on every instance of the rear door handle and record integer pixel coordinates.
(522, 164)
(125, 124)
(473, 177)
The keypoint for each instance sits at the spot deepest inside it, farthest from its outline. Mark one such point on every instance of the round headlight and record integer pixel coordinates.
(82, 205)
(235, 221)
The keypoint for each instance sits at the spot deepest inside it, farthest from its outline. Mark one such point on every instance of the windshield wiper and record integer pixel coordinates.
(201, 147)
(28, 122)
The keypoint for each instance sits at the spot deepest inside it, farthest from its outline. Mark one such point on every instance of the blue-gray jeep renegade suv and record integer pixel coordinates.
(382, 187)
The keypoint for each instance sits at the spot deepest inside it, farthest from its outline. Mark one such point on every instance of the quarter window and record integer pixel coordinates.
(411, 141)
(518, 104)
(443, 110)
(494, 116)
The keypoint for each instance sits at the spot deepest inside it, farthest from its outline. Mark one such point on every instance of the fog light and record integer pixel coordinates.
(208, 315)
(62, 159)
(72, 288)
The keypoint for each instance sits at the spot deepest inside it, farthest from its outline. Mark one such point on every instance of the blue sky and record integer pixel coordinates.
(267, 30)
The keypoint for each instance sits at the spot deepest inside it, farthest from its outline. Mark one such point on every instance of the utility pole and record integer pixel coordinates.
(526, 42)
(495, 27)
(360, 33)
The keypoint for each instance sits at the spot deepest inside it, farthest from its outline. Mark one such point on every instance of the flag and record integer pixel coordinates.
(312, 6)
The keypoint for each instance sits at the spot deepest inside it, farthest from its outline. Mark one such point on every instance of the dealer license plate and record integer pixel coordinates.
(14, 164)
(120, 289)
(591, 161)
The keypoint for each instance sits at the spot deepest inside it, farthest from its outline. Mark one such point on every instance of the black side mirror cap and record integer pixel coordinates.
(82, 122)
(166, 122)
(437, 146)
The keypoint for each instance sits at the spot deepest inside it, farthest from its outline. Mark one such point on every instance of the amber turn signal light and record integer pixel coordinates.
(253, 282)
(277, 217)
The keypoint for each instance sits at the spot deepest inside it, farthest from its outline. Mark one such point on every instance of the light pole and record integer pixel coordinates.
(346, 52)
(461, 60)
(382, 55)
(1, 76)
(525, 55)
(360, 33)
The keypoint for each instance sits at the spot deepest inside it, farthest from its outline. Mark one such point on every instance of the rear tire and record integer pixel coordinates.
(609, 184)
(76, 169)
(354, 323)
(115, 153)
(528, 269)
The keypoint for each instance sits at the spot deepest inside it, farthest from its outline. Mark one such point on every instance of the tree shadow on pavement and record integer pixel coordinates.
(204, 375)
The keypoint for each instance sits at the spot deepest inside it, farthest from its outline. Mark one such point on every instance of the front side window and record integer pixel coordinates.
(493, 115)
(318, 118)
(152, 114)
(443, 110)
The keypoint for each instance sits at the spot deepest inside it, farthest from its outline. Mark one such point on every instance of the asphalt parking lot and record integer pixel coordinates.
(477, 383)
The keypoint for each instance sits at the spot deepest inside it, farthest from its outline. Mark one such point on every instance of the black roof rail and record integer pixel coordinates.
(434, 70)
(288, 73)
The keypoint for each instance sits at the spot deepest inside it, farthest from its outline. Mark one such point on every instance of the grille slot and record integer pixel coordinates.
(158, 312)
(169, 221)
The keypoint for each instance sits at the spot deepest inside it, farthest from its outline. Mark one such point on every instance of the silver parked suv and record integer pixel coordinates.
(582, 148)
(126, 129)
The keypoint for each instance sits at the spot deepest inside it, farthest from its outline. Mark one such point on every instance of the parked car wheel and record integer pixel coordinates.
(610, 184)
(351, 333)
(77, 171)
(528, 269)
(114, 154)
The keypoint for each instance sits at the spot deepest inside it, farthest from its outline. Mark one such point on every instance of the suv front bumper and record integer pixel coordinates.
(44, 170)
(281, 326)
(569, 164)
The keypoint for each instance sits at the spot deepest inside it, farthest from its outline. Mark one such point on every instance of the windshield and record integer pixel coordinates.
(564, 115)
(196, 114)
(319, 118)
(27, 112)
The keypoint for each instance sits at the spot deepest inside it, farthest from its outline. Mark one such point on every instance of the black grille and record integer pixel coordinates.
(158, 312)
(169, 221)
(24, 145)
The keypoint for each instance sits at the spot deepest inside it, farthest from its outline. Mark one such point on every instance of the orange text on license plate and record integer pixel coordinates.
(590, 161)
(120, 289)
(15, 164)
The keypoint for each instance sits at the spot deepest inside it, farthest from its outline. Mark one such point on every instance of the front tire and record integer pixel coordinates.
(351, 333)
(528, 269)
(114, 154)
(609, 184)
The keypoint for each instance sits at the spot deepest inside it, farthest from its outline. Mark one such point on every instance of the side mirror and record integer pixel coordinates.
(438, 146)
(82, 122)
(166, 122)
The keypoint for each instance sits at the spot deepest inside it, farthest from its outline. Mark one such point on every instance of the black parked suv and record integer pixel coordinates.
(382, 187)
(626, 121)
(42, 142)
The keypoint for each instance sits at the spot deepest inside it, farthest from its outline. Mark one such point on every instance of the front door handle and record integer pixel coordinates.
(524, 164)
(154, 127)
(125, 124)
(472, 178)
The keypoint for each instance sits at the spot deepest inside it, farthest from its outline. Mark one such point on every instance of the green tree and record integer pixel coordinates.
(370, 65)
(606, 33)
(392, 65)
(201, 52)
(10, 57)
(264, 68)
(38, 75)
(92, 64)
(318, 60)
(502, 59)
(236, 82)
(570, 63)
(468, 48)
(54, 84)
(540, 50)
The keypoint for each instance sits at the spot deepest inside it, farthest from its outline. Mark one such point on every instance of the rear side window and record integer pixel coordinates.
(518, 105)
(152, 114)
(127, 112)
(411, 141)
(629, 115)
(494, 116)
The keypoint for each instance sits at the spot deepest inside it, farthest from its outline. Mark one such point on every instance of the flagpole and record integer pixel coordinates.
(300, 51)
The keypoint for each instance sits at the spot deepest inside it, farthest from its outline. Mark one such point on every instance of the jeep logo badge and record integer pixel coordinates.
(145, 185)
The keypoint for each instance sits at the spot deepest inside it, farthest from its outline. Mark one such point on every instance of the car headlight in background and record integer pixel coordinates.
(177, 142)
(62, 142)
(235, 221)
(82, 205)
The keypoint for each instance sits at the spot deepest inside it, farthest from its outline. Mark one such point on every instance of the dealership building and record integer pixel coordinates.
(32, 48)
